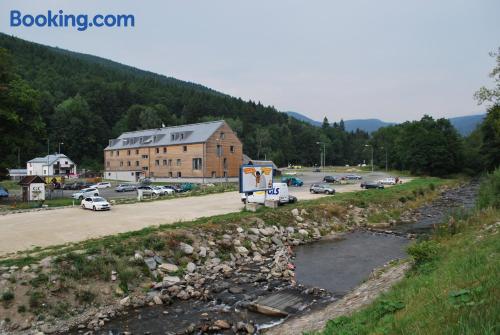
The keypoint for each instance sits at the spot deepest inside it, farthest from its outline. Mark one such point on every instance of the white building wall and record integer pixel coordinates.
(121, 175)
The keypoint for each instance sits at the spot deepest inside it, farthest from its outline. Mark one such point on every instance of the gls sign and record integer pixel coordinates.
(80, 21)
(274, 191)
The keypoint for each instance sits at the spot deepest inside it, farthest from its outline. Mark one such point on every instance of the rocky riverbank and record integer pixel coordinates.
(204, 279)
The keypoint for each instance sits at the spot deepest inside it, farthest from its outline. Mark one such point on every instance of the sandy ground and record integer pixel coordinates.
(23, 231)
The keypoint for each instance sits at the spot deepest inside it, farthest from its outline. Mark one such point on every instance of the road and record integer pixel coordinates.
(23, 231)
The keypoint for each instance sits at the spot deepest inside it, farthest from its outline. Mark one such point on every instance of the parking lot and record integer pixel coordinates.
(52, 227)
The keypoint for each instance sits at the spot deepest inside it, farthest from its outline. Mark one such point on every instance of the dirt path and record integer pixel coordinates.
(22, 231)
(365, 294)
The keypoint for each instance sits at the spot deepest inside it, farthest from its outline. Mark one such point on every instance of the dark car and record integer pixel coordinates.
(331, 179)
(4, 193)
(321, 188)
(69, 186)
(371, 184)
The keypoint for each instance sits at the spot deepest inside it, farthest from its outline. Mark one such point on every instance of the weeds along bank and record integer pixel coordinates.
(453, 287)
(75, 285)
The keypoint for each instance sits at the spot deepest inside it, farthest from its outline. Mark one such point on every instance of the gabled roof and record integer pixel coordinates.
(31, 179)
(49, 158)
(185, 134)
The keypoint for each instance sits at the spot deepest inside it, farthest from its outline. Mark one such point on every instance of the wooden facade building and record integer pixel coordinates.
(201, 150)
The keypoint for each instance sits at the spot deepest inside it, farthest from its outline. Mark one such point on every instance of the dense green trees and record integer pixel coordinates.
(81, 100)
(427, 146)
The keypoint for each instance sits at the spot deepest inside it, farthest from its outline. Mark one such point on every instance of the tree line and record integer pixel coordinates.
(48, 95)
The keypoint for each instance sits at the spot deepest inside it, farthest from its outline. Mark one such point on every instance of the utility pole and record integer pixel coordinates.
(48, 154)
(371, 146)
(322, 156)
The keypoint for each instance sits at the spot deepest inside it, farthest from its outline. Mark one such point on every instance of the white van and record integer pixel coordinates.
(278, 192)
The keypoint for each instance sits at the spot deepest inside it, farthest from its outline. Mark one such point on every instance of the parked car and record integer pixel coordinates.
(372, 184)
(321, 188)
(175, 188)
(316, 170)
(187, 187)
(388, 181)
(85, 193)
(146, 181)
(78, 185)
(166, 190)
(331, 179)
(149, 190)
(4, 193)
(96, 204)
(292, 181)
(125, 188)
(103, 184)
(353, 177)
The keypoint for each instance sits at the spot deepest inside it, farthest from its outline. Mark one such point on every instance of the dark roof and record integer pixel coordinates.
(185, 134)
(31, 179)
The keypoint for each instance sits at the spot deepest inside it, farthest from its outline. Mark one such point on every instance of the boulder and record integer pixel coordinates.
(267, 231)
(254, 231)
(203, 252)
(191, 267)
(167, 267)
(303, 232)
(221, 324)
(295, 212)
(186, 248)
(150, 262)
(125, 301)
(170, 280)
(241, 250)
(157, 300)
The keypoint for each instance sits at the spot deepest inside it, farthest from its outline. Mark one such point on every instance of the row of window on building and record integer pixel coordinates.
(197, 163)
(157, 150)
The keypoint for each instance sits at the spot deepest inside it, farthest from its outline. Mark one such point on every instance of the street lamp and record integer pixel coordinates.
(323, 159)
(369, 145)
(385, 157)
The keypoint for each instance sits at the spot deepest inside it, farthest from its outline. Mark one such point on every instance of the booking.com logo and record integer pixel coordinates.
(81, 21)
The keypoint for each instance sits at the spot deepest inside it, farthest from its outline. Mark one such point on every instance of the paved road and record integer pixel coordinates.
(23, 231)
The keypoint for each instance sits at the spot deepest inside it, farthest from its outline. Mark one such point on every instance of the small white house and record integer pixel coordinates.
(51, 165)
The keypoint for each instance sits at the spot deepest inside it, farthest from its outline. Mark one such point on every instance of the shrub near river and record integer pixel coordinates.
(59, 284)
(453, 287)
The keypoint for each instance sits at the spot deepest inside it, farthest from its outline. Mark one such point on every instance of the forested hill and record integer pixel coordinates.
(83, 101)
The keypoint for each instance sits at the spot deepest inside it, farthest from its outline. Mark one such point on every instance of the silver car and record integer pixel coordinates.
(321, 188)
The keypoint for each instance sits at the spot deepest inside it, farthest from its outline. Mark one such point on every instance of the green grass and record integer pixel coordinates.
(10, 185)
(453, 287)
(125, 244)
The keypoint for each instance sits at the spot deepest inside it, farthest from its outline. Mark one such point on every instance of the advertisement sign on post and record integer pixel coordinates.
(255, 178)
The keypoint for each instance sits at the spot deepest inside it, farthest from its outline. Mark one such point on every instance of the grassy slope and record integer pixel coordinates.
(453, 289)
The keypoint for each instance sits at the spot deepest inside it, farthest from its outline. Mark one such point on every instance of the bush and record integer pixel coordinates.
(489, 192)
(7, 296)
(423, 252)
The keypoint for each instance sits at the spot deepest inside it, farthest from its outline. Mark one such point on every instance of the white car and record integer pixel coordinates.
(86, 192)
(96, 204)
(151, 190)
(166, 190)
(388, 181)
(103, 184)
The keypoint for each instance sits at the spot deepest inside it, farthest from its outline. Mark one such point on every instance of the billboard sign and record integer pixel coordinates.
(254, 178)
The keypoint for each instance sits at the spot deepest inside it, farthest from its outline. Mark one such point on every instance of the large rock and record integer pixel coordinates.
(125, 301)
(170, 280)
(186, 248)
(191, 267)
(241, 250)
(303, 232)
(151, 263)
(167, 267)
(276, 241)
(203, 252)
(295, 212)
(267, 231)
(254, 231)
(221, 324)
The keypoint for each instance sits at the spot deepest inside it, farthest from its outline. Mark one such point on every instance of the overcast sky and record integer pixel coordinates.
(392, 60)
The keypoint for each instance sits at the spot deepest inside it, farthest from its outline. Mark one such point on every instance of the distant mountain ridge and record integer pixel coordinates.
(464, 124)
